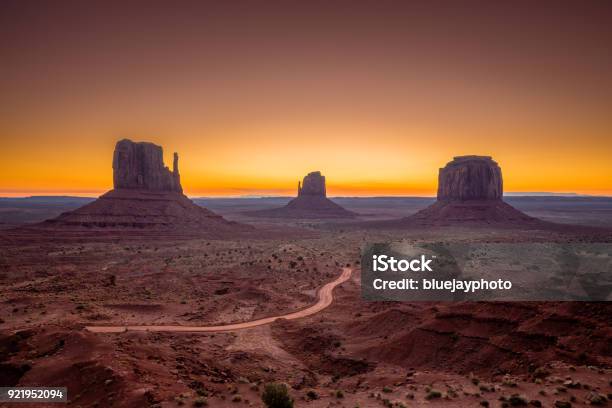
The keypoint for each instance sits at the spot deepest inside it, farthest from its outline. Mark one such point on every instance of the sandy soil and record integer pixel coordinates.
(324, 299)
(350, 353)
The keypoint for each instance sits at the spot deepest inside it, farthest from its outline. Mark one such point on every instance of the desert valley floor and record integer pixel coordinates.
(353, 353)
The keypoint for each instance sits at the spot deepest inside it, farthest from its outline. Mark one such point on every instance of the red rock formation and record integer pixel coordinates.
(313, 185)
(311, 202)
(470, 178)
(147, 195)
(140, 166)
(470, 190)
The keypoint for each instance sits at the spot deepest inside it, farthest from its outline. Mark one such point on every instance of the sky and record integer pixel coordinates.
(377, 95)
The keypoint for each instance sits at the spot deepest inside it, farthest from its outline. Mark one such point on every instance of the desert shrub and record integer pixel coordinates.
(517, 401)
(509, 382)
(541, 372)
(200, 402)
(433, 394)
(312, 395)
(276, 396)
(596, 399)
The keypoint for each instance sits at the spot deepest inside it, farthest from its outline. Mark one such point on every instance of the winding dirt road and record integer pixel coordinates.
(325, 299)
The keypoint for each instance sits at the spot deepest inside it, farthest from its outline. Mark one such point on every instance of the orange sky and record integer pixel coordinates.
(376, 95)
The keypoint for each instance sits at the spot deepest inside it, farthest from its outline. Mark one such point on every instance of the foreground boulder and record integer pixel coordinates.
(311, 202)
(146, 195)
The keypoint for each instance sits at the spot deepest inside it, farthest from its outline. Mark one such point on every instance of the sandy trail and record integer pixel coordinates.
(325, 299)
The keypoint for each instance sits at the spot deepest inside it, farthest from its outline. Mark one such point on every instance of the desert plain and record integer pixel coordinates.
(353, 353)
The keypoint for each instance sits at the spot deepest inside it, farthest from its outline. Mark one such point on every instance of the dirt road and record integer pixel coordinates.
(325, 299)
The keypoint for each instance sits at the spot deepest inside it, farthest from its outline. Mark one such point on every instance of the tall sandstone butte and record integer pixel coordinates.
(141, 166)
(470, 191)
(313, 185)
(311, 202)
(470, 178)
(146, 195)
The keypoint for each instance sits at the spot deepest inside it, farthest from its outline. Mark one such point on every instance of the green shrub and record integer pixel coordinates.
(276, 396)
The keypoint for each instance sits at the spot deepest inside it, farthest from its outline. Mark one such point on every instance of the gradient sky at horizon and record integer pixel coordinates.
(377, 95)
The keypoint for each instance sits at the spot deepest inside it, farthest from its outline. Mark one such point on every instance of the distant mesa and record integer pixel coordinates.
(146, 195)
(311, 202)
(470, 191)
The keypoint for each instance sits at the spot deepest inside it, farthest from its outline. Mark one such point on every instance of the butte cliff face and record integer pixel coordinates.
(146, 195)
(470, 178)
(470, 191)
(140, 166)
(311, 202)
(313, 185)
